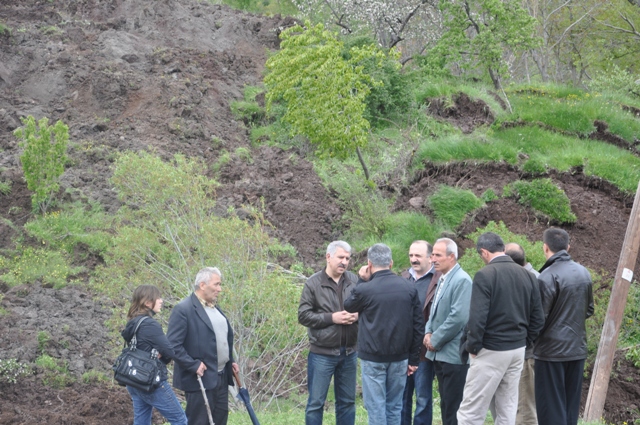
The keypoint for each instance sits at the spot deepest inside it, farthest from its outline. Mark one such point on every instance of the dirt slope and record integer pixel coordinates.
(161, 75)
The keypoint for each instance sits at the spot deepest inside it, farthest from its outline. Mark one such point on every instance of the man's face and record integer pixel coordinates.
(420, 261)
(441, 261)
(211, 289)
(338, 262)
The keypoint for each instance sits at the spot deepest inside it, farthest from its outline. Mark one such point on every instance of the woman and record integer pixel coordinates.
(145, 303)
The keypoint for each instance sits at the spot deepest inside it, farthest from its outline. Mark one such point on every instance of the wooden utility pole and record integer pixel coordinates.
(609, 339)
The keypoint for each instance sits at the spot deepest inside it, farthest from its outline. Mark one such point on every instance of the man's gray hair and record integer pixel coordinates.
(333, 247)
(204, 276)
(452, 248)
(380, 255)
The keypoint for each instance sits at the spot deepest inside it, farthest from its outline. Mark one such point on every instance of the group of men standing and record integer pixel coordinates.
(508, 341)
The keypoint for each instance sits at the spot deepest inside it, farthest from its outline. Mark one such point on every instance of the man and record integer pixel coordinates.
(202, 339)
(333, 333)
(526, 388)
(425, 278)
(389, 334)
(449, 315)
(516, 252)
(561, 348)
(504, 314)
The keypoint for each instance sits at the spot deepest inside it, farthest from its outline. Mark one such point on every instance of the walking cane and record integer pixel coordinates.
(206, 402)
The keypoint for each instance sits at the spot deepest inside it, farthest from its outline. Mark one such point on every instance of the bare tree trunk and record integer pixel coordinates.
(364, 165)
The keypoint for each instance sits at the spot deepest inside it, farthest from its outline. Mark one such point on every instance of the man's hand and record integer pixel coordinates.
(344, 317)
(235, 367)
(201, 369)
(427, 342)
(365, 273)
(411, 370)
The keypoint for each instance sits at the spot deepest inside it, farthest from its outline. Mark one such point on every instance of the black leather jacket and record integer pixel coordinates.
(319, 300)
(567, 301)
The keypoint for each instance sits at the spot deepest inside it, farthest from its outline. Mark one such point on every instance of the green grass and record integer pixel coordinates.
(51, 267)
(551, 149)
(544, 196)
(572, 110)
(451, 205)
(72, 225)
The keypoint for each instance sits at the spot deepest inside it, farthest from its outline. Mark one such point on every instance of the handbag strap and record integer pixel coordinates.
(134, 340)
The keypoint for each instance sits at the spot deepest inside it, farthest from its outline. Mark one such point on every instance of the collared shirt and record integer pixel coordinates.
(414, 275)
(205, 303)
(440, 286)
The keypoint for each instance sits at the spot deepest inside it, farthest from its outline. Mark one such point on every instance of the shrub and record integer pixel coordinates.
(43, 158)
(11, 371)
(471, 261)
(489, 195)
(72, 225)
(450, 205)
(29, 265)
(167, 232)
(544, 196)
(615, 79)
(55, 371)
(5, 188)
(534, 166)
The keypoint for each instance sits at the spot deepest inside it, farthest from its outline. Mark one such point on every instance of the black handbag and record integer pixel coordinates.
(137, 368)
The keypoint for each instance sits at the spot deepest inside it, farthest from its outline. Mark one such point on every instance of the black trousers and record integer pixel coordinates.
(558, 386)
(218, 400)
(451, 379)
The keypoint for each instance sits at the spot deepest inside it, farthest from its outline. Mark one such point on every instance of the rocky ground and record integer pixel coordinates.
(160, 75)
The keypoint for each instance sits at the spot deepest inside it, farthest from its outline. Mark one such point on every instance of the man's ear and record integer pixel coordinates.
(568, 247)
(327, 256)
(391, 264)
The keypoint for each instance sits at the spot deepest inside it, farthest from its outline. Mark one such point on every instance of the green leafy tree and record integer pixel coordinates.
(480, 33)
(325, 93)
(43, 159)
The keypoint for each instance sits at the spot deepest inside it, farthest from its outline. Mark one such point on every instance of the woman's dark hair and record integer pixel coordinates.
(141, 295)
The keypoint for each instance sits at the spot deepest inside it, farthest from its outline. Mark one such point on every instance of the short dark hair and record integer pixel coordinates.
(516, 252)
(556, 239)
(491, 242)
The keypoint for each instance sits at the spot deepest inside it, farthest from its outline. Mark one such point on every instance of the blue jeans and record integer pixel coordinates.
(163, 399)
(422, 382)
(320, 369)
(382, 389)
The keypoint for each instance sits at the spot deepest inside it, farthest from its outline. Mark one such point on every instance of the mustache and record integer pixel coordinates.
(415, 263)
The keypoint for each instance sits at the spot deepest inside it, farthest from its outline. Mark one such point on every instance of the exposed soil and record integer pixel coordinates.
(161, 76)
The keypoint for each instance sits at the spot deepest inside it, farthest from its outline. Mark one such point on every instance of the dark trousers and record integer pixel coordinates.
(558, 386)
(451, 379)
(218, 400)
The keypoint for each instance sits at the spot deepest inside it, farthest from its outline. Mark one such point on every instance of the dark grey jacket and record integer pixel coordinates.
(567, 301)
(319, 300)
(193, 339)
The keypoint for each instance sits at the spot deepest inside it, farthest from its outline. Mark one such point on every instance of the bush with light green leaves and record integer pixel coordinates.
(167, 231)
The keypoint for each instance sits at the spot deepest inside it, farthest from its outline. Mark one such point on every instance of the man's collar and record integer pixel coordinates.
(330, 279)
(205, 303)
(413, 273)
(498, 256)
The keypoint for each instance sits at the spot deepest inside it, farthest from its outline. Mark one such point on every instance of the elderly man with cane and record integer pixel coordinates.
(202, 339)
